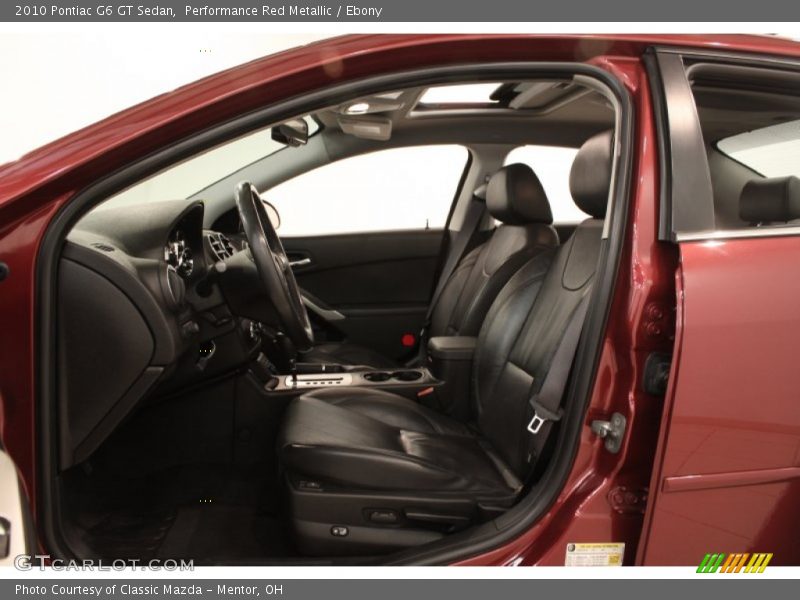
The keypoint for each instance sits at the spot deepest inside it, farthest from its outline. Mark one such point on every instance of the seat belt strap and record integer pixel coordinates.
(546, 403)
(472, 220)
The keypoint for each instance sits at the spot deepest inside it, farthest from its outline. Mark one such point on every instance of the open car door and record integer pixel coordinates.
(726, 480)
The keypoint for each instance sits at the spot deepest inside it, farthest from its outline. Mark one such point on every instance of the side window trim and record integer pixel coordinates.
(687, 199)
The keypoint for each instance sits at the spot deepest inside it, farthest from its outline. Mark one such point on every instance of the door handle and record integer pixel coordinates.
(302, 262)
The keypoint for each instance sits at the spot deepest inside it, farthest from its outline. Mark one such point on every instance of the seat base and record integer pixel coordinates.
(368, 471)
(331, 521)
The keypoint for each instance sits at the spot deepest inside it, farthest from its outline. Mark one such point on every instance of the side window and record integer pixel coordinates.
(750, 122)
(552, 165)
(396, 189)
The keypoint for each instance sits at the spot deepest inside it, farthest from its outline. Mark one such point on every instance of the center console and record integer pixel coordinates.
(443, 383)
(316, 376)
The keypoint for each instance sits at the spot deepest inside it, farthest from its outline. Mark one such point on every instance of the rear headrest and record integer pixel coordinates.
(590, 177)
(515, 196)
(770, 200)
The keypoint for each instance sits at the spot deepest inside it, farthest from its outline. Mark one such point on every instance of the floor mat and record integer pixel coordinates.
(130, 535)
(224, 534)
(209, 513)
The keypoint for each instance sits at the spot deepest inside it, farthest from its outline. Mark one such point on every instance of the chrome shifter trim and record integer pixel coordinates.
(319, 380)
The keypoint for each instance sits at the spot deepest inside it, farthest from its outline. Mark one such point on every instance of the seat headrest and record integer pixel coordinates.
(776, 199)
(515, 196)
(590, 177)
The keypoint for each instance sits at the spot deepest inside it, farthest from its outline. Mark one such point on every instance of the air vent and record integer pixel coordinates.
(103, 247)
(220, 246)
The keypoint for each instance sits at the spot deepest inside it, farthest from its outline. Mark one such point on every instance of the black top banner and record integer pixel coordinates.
(396, 11)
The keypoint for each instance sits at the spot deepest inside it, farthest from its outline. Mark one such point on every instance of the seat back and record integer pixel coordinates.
(770, 200)
(514, 197)
(527, 320)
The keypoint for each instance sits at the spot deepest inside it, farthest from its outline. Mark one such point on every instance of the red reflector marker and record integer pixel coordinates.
(408, 340)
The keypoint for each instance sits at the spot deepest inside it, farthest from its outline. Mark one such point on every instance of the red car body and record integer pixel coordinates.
(701, 470)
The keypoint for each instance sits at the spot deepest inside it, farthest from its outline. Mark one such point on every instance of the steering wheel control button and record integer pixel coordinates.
(339, 531)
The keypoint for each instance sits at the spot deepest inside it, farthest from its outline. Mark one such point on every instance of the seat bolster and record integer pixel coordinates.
(371, 469)
(310, 421)
(391, 409)
(463, 455)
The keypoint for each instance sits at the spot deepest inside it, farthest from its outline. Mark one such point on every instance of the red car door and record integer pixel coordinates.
(726, 478)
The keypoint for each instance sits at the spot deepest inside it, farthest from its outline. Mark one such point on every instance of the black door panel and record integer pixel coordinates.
(380, 282)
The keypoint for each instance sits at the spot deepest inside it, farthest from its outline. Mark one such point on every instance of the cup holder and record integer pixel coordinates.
(383, 376)
(407, 375)
(377, 376)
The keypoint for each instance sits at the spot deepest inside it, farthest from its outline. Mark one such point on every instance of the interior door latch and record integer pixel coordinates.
(611, 431)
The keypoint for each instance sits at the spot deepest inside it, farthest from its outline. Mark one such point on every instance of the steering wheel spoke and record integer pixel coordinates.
(273, 266)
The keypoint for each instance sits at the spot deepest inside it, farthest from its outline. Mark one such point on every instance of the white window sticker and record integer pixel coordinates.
(595, 555)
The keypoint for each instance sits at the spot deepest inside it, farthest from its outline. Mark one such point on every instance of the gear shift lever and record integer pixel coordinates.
(290, 353)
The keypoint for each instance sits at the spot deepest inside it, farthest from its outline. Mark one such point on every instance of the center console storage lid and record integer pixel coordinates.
(452, 347)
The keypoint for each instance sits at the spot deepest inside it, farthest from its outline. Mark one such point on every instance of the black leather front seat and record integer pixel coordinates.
(368, 470)
(515, 197)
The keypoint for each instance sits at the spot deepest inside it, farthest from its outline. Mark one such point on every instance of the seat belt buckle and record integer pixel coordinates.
(540, 416)
(536, 424)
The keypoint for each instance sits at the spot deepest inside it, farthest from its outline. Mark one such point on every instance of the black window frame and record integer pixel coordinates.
(686, 202)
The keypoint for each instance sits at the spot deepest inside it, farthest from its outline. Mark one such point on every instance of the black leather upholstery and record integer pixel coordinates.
(590, 178)
(773, 200)
(481, 275)
(522, 332)
(514, 197)
(392, 444)
(376, 442)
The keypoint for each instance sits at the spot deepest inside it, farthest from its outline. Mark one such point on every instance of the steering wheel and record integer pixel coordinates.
(273, 266)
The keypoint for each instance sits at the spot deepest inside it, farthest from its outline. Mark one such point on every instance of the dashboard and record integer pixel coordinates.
(140, 314)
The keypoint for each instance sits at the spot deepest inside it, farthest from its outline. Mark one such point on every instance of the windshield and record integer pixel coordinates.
(771, 151)
(197, 173)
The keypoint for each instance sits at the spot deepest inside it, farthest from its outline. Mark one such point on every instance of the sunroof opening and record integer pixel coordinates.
(471, 93)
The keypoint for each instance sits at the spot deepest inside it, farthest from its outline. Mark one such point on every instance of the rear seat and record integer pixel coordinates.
(770, 200)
